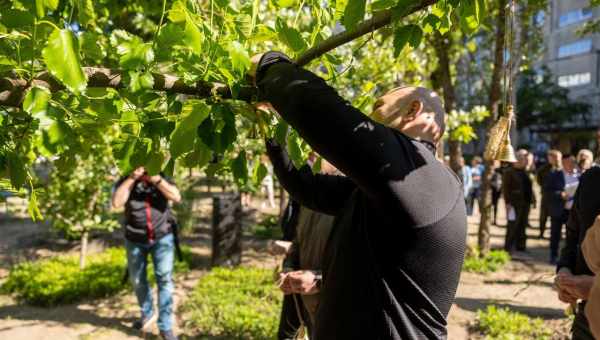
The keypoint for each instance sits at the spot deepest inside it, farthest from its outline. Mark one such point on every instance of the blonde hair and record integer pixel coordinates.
(585, 153)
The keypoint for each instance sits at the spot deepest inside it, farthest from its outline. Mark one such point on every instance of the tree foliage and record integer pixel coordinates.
(540, 101)
(198, 42)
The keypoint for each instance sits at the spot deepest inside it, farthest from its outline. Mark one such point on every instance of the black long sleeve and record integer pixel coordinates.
(398, 241)
(367, 152)
(568, 254)
(323, 193)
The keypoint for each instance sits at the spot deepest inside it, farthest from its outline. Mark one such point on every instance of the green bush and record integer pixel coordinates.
(267, 229)
(503, 324)
(492, 262)
(59, 280)
(240, 303)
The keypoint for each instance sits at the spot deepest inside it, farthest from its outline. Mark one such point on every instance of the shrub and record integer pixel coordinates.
(59, 280)
(267, 229)
(240, 303)
(504, 324)
(492, 262)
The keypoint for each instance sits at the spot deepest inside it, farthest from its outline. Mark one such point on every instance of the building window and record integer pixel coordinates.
(576, 79)
(574, 16)
(574, 48)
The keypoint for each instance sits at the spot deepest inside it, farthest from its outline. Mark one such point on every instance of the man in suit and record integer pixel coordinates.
(554, 163)
(560, 187)
(518, 195)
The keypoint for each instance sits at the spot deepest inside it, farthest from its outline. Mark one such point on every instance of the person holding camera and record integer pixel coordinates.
(148, 231)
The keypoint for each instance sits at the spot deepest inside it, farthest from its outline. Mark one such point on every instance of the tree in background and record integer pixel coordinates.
(77, 201)
(540, 101)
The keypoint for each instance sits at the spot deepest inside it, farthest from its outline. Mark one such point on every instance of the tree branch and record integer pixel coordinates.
(379, 19)
(12, 90)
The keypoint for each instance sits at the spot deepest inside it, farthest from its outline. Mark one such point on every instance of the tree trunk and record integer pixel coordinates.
(85, 233)
(282, 200)
(442, 45)
(83, 250)
(495, 96)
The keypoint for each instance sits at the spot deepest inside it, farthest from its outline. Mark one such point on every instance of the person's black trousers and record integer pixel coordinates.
(544, 214)
(495, 198)
(581, 329)
(516, 236)
(289, 323)
(556, 227)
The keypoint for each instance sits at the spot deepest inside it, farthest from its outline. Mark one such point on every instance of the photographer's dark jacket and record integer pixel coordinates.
(147, 213)
(393, 260)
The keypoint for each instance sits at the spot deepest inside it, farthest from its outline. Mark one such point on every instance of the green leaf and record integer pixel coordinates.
(380, 5)
(294, 150)
(57, 132)
(192, 36)
(259, 174)
(155, 162)
(16, 170)
(415, 37)
(401, 37)
(281, 132)
(140, 81)
(14, 18)
(353, 13)
(289, 36)
(91, 47)
(285, 3)
(240, 60)
(182, 139)
(239, 168)
(199, 157)
(340, 6)
(130, 123)
(33, 207)
(42, 6)
(61, 55)
(36, 101)
(86, 12)
(316, 168)
(218, 132)
(135, 54)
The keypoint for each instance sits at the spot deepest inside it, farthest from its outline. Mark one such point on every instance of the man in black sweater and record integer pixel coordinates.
(393, 260)
(575, 279)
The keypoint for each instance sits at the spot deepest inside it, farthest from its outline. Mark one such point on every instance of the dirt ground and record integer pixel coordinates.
(525, 285)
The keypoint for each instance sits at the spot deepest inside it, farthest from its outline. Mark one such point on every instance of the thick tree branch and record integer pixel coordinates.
(12, 90)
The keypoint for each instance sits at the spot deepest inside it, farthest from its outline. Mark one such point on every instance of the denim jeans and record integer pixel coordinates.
(162, 258)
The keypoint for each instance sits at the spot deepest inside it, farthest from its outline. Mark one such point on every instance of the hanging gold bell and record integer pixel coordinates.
(507, 152)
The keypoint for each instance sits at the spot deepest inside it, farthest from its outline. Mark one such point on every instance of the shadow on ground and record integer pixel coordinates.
(537, 312)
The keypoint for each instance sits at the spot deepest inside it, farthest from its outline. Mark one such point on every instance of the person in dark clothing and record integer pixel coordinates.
(393, 261)
(575, 279)
(554, 163)
(496, 186)
(148, 232)
(560, 188)
(518, 195)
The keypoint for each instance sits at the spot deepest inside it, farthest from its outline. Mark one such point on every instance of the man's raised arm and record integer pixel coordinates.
(367, 152)
(323, 193)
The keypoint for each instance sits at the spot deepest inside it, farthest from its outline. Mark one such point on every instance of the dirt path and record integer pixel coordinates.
(525, 285)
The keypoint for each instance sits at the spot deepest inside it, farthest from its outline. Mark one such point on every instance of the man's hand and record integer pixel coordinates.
(300, 282)
(578, 286)
(566, 297)
(155, 179)
(137, 173)
(564, 195)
